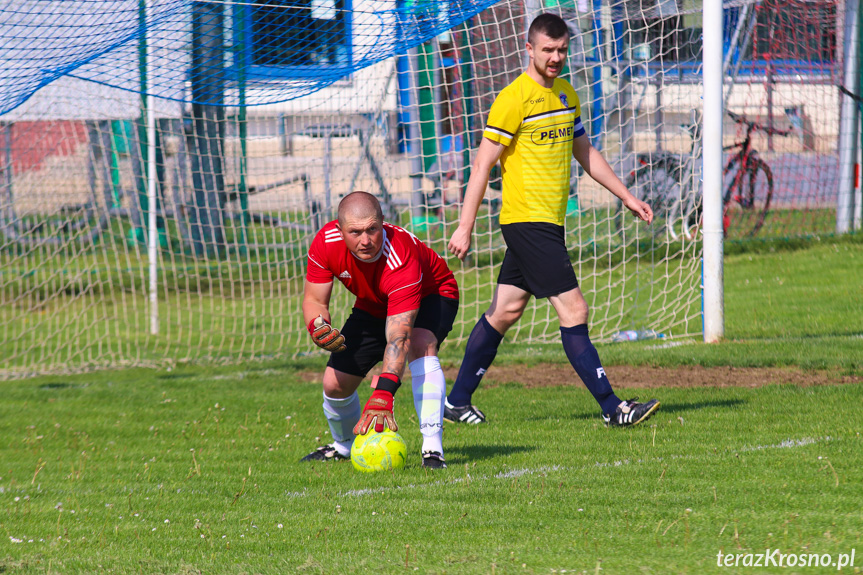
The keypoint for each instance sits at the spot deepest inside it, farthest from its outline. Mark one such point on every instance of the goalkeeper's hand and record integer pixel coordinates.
(326, 336)
(379, 407)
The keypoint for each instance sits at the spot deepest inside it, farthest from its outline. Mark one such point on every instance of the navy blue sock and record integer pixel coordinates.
(478, 354)
(584, 358)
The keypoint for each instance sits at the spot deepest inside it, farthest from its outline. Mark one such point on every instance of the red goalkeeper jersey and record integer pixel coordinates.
(404, 272)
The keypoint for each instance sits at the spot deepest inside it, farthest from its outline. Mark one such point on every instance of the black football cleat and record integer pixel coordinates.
(433, 460)
(325, 453)
(467, 414)
(630, 412)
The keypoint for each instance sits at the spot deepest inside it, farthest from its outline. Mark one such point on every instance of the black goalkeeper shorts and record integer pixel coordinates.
(536, 259)
(365, 334)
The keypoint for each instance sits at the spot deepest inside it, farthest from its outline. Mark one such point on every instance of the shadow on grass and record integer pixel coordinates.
(681, 407)
(664, 408)
(463, 454)
(58, 385)
(172, 376)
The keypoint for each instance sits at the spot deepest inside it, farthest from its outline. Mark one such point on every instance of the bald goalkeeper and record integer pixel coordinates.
(406, 303)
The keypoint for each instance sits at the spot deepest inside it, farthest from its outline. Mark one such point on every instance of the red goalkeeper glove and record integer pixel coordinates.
(379, 407)
(326, 336)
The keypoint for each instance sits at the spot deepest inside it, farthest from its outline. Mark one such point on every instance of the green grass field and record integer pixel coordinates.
(195, 469)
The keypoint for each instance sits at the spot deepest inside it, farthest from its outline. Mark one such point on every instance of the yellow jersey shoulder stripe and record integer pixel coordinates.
(551, 114)
(499, 131)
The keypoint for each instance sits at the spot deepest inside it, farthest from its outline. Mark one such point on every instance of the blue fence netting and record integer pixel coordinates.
(217, 52)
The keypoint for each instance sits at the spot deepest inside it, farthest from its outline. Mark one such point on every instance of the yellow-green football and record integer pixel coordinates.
(379, 451)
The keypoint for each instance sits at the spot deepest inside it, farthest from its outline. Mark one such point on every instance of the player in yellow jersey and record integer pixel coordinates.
(534, 128)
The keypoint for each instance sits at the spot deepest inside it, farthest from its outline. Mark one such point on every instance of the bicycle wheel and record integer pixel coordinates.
(760, 194)
(748, 200)
(655, 185)
(692, 214)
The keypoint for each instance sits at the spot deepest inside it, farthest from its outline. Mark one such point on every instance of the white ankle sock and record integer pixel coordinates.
(342, 415)
(429, 388)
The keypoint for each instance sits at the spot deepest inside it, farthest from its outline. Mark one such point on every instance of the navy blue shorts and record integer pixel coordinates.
(536, 259)
(366, 340)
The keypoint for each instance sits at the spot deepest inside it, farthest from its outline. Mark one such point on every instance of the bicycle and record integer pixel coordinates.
(668, 182)
(750, 204)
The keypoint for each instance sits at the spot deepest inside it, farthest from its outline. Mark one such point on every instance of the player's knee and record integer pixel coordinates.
(423, 343)
(576, 314)
(583, 312)
(571, 307)
(334, 390)
(340, 385)
(505, 317)
(506, 309)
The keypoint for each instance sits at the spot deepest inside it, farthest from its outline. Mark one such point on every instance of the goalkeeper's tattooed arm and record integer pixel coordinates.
(379, 408)
(399, 328)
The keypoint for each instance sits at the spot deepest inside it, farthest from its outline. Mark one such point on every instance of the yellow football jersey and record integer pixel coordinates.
(537, 126)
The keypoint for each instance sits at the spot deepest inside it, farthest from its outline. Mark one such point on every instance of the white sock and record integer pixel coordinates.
(429, 387)
(342, 415)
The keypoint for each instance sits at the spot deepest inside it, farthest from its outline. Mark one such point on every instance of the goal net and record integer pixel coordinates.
(268, 111)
